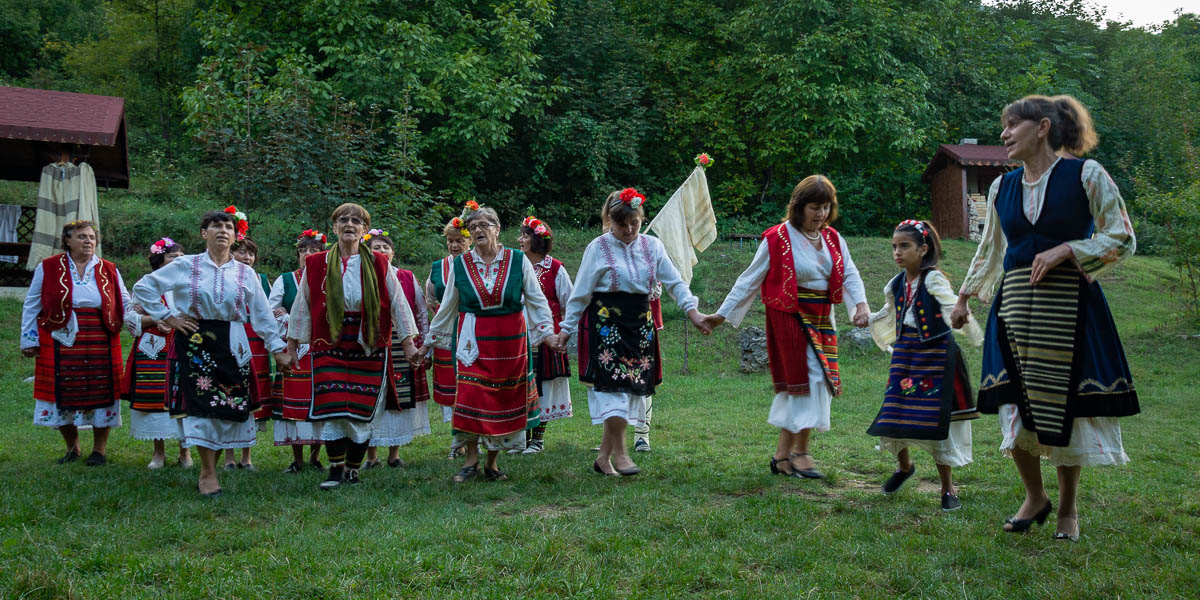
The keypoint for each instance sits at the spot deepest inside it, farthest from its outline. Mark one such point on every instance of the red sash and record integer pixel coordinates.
(57, 294)
(780, 287)
(315, 265)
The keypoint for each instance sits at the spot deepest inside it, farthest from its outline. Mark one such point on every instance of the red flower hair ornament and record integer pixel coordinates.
(311, 234)
(539, 228)
(239, 218)
(632, 197)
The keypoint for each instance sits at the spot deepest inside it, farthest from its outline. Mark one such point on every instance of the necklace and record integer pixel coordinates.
(812, 238)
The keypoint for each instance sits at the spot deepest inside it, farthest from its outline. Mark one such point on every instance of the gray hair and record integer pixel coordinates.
(486, 213)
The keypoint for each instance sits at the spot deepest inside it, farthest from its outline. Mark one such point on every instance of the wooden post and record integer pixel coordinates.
(684, 370)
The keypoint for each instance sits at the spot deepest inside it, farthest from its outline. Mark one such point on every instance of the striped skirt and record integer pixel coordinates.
(790, 335)
(927, 389)
(260, 371)
(444, 377)
(145, 381)
(84, 376)
(496, 395)
(412, 385)
(346, 381)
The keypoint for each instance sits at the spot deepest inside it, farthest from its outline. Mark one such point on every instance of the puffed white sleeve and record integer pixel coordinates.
(562, 283)
(261, 319)
(672, 281)
(988, 265)
(441, 328)
(402, 315)
(540, 321)
(854, 291)
(883, 322)
(30, 310)
(300, 318)
(149, 290)
(939, 287)
(586, 281)
(275, 298)
(745, 290)
(1113, 240)
(421, 313)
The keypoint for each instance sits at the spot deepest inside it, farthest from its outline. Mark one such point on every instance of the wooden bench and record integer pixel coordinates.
(741, 237)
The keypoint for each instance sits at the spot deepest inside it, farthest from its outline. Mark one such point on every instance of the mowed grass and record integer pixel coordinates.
(704, 520)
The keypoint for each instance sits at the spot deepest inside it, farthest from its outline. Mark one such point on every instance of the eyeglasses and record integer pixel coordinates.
(350, 220)
(480, 226)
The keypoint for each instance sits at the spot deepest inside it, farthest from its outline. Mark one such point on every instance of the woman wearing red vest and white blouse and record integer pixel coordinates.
(802, 268)
(72, 323)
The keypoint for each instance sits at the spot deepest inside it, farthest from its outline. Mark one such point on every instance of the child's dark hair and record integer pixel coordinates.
(923, 232)
(158, 260)
(538, 244)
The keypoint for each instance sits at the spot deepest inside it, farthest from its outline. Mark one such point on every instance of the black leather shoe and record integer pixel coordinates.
(950, 502)
(336, 474)
(69, 457)
(1023, 525)
(897, 479)
(95, 459)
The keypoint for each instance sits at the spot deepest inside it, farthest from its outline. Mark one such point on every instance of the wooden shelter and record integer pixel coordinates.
(959, 176)
(38, 127)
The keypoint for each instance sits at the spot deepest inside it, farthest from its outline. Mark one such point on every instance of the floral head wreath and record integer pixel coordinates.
(240, 222)
(311, 234)
(160, 247)
(915, 224)
(539, 228)
(375, 232)
(632, 197)
(461, 226)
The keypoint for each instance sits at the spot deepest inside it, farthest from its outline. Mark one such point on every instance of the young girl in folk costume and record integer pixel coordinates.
(552, 370)
(245, 251)
(458, 241)
(209, 384)
(618, 272)
(145, 381)
(409, 418)
(293, 391)
(71, 322)
(347, 305)
(489, 290)
(928, 402)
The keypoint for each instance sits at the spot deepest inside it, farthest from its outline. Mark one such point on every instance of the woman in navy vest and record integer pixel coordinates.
(1053, 366)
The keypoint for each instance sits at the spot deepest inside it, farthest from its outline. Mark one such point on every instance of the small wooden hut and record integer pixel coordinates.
(959, 176)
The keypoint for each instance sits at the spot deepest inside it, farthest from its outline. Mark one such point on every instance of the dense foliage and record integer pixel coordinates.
(416, 106)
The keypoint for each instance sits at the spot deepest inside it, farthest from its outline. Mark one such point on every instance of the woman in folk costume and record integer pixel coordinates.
(801, 270)
(927, 403)
(210, 385)
(409, 418)
(458, 241)
(641, 427)
(346, 307)
(619, 351)
(489, 290)
(551, 368)
(145, 381)
(292, 391)
(71, 322)
(1053, 365)
(245, 251)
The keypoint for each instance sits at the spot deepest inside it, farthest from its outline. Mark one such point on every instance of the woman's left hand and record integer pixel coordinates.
(283, 360)
(1044, 261)
(412, 353)
(862, 315)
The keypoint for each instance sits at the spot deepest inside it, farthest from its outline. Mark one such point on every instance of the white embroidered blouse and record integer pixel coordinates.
(300, 319)
(883, 322)
(196, 286)
(1112, 241)
(538, 320)
(813, 269)
(84, 294)
(610, 265)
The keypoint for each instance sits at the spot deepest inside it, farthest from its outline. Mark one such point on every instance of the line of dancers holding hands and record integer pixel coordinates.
(353, 338)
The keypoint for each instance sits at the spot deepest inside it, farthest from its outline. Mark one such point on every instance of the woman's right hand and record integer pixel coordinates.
(960, 314)
(182, 324)
(279, 312)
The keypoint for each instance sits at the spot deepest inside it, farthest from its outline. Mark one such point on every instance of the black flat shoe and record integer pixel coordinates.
(466, 473)
(596, 467)
(494, 475)
(806, 473)
(295, 467)
(371, 464)
(70, 457)
(316, 464)
(1067, 537)
(248, 466)
(95, 459)
(230, 466)
(950, 502)
(775, 470)
(897, 479)
(1023, 525)
(396, 463)
(336, 474)
(212, 494)
(630, 472)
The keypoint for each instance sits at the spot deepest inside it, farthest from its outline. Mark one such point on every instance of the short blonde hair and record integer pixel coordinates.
(353, 210)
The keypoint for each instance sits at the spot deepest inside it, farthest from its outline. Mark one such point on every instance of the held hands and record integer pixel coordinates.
(413, 353)
(183, 324)
(1044, 261)
(958, 316)
(557, 341)
(713, 321)
(279, 312)
(862, 315)
(699, 319)
(284, 360)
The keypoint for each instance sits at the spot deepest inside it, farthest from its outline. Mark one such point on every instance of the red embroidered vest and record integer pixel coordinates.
(315, 266)
(408, 284)
(546, 279)
(57, 296)
(780, 287)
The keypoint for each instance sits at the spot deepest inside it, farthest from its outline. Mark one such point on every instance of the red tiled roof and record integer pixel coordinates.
(67, 117)
(967, 155)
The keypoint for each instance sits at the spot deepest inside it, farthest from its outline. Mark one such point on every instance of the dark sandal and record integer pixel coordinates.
(1023, 525)
(466, 473)
(70, 457)
(396, 464)
(95, 459)
(596, 467)
(494, 475)
(775, 470)
(806, 473)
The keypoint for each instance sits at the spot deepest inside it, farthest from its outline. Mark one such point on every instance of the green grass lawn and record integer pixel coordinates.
(704, 520)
